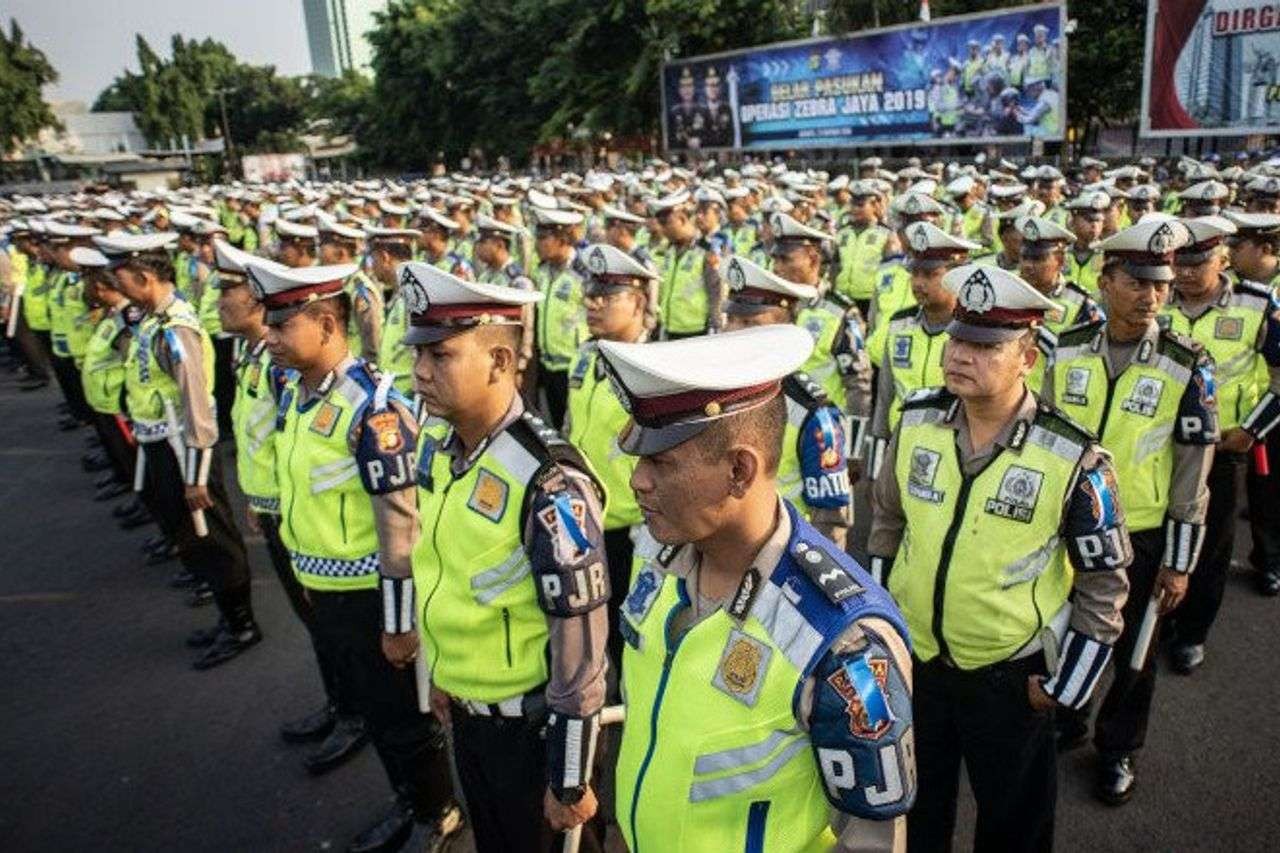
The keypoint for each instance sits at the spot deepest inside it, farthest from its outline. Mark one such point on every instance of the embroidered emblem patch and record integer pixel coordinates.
(1228, 328)
(489, 495)
(326, 419)
(386, 430)
(924, 469)
(1077, 390)
(1017, 496)
(1145, 397)
(743, 664)
(862, 683)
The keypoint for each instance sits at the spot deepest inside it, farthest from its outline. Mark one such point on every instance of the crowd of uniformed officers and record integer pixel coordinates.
(561, 474)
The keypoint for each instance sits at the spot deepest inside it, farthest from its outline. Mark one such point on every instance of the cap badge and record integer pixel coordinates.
(737, 278)
(596, 262)
(413, 293)
(1161, 242)
(255, 285)
(1032, 232)
(977, 294)
(912, 205)
(919, 238)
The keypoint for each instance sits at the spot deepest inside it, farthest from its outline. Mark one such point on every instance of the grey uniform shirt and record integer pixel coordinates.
(855, 834)
(196, 418)
(1195, 312)
(1188, 487)
(577, 643)
(1097, 596)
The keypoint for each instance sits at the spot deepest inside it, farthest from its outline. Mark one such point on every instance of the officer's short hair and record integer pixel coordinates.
(339, 307)
(158, 264)
(761, 427)
(503, 334)
(396, 249)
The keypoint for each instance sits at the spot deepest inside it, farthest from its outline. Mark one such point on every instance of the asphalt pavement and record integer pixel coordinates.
(109, 740)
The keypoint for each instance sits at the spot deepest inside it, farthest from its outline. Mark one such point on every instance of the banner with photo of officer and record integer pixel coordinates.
(988, 77)
(1212, 68)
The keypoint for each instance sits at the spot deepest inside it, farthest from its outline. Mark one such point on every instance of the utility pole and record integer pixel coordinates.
(228, 150)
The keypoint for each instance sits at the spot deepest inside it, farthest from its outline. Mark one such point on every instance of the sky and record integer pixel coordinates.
(90, 42)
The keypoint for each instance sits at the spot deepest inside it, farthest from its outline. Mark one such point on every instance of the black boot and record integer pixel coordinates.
(313, 726)
(389, 833)
(435, 836)
(32, 384)
(104, 481)
(157, 542)
(1116, 780)
(182, 579)
(1187, 657)
(200, 596)
(111, 491)
(1268, 581)
(128, 508)
(348, 736)
(134, 519)
(67, 423)
(162, 555)
(95, 462)
(202, 638)
(230, 643)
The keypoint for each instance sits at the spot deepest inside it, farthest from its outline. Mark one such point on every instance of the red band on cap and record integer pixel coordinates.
(448, 315)
(1003, 317)
(301, 294)
(759, 296)
(663, 411)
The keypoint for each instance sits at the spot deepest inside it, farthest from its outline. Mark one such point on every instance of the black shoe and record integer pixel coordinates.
(105, 480)
(134, 519)
(182, 579)
(32, 384)
(389, 833)
(111, 491)
(158, 542)
(203, 638)
(313, 726)
(1269, 582)
(94, 462)
(1116, 780)
(200, 596)
(1068, 736)
(1187, 657)
(348, 735)
(434, 836)
(229, 644)
(128, 508)
(164, 555)
(67, 423)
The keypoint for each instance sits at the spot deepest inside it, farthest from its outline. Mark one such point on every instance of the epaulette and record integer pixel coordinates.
(1079, 334)
(1248, 287)
(839, 301)
(904, 313)
(1183, 349)
(886, 266)
(1056, 421)
(825, 571)
(928, 398)
(551, 450)
(799, 387)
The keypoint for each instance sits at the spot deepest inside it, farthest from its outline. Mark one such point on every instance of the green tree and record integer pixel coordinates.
(24, 69)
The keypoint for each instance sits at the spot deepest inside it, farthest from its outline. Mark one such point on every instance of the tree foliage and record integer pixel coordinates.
(24, 69)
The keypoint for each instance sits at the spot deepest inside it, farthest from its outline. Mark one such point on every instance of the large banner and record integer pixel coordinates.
(1212, 68)
(264, 168)
(989, 77)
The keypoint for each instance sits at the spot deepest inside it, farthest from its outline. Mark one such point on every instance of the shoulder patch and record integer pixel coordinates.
(1248, 287)
(1183, 349)
(1054, 420)
(806, 392)
(1079, 334)
(827, 574)
(904, 313)
(928, 398)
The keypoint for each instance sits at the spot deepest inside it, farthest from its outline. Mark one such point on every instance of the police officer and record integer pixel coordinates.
(742, 227)
(689, 291)
(344, 465)
(1026, 506)
(766, 675)
(168, 389)
(492, 255)
(621, 230)
(1008, 239)
(617, 292)
(893, 293)
(911, 346)
(341, 244)
(1148, 394)
(509, 572)
(813, 471)
(963, 192)
(1042, 259)
(1084, 260)
(69, 324)
(560, 320)
(1255, 256)
(864, 244)
(436, 242)
(1238, 323)
(388, 248)
(297, 243)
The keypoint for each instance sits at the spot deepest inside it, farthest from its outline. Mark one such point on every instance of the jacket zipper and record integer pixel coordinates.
(342, 514)
(1106, 405)
(506, 633)
(435, 529)
(949, 544)
(292, 446)
(672, 648)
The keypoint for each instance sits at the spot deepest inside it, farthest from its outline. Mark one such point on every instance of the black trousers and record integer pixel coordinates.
(618, 549)
(224, 382)
(555, 384)
(111, 432)
(984, 717)
(64, 370)
(410, 744)
(1264, 509)
(218, 559)
(1195, 616)
(1121, 727)
(282, 565)
(34, 355)
(502, 764)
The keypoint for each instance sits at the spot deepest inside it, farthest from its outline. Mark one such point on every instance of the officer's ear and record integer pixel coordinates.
(1030, 351)
(745, 467)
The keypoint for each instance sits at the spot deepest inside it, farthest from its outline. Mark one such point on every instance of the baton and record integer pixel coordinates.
(611, 715)
(14, 305)
(139, 469)
(1145, 632)
(180, 450)
(1261, 465)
